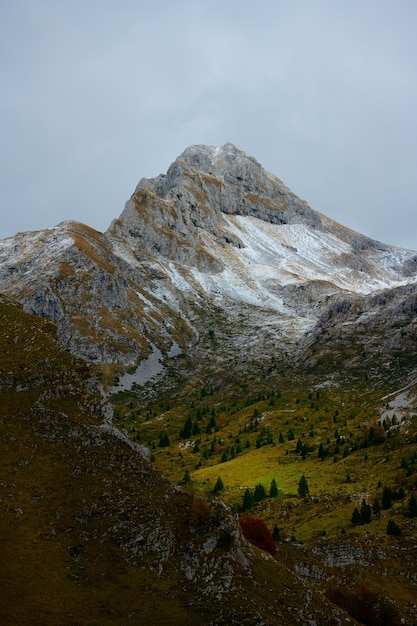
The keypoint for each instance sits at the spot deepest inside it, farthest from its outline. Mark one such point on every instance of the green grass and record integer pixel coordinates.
(341, 419)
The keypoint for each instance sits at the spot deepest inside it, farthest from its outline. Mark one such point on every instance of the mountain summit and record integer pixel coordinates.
(216, 243)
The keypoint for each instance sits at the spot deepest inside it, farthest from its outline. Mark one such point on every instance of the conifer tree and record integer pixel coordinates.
(386, 498)
(365, 512)
(412, 506)
(273, 490)
(259, 493)
(248, 499)
(276, 534)
(186, 478)
(356, 517)
(218, 486)
(163, 440)
(376, 509)
(186, 430)
(303, 489)
(393, 528)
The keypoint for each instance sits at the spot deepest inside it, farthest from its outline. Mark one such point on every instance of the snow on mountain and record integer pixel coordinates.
(216, 230)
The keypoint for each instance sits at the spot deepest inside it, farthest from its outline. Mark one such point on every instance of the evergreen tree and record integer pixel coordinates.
(276, 535)
(259, 493)
(187, 429)
(386, 498)
(218, 486)
(393, 528)
(356, 517)
(412, 506)
(303, 489)
(186, 478)
(365, 512)
(376, 509)
(248, 499)
(273, 490)
(322, 452)
(163, 440)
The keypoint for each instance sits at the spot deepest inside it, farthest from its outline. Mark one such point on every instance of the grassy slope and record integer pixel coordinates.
(356, 467)
(341, 421)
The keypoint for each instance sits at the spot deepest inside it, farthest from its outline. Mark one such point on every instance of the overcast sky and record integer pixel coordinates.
(96, 94)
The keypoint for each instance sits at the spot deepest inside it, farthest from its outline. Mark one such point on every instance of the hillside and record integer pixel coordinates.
(91, 533)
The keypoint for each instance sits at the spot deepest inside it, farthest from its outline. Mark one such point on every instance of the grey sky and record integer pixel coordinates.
(97, 94)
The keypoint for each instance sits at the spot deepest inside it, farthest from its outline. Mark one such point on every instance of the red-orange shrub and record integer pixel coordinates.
(257, 533)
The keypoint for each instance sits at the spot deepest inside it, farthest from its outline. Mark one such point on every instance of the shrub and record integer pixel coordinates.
(200, 512)
(257, 533)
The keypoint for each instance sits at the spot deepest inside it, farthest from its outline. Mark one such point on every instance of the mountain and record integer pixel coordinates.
(216, 243)
(219, 329)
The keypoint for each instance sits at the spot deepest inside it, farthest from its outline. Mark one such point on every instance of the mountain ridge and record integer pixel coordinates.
(215, 233)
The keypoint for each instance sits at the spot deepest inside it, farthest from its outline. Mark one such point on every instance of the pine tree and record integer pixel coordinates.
(412, 506)
(322, 452)
(218, 486)
(186, 430)
(356, 517)
(365, 512)
(259, 493)
(393, 528)
(163, 440)
(386, 498)
(186, 478)
(276, 534)
(248, 499)
(303, 489)
(273, 490)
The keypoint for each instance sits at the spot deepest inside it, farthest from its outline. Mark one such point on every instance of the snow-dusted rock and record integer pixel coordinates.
(216, 232)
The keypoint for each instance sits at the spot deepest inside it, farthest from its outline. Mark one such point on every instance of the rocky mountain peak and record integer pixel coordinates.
(217, 231)
(226, 163)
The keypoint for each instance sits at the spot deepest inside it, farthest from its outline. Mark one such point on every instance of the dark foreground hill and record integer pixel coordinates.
(90, 533)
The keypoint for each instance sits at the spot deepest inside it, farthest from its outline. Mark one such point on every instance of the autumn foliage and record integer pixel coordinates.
(257, 533)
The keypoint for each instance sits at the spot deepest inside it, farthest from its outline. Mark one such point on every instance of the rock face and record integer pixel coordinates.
(216, 237)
